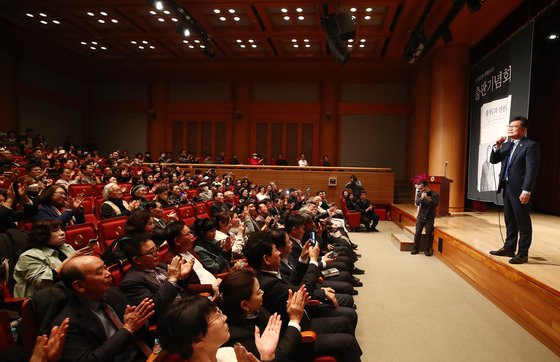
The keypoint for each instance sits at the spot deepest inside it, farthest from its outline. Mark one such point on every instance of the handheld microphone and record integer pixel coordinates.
(500, 141)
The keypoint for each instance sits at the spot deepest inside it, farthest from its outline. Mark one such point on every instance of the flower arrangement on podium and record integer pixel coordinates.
(416, 179)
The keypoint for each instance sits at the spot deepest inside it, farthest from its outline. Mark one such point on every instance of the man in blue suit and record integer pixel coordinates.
(520, 162)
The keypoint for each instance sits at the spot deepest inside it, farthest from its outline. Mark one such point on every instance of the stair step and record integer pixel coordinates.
(402, 241)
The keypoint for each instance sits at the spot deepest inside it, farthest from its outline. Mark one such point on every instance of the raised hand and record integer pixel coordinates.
(267, 342)
(186, 268)
(55, 344)
(296, 304)
(135, 317)
(174, 269)
(242, 355)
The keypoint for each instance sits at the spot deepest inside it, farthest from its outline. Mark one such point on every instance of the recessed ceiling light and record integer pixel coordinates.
(369, 10)
(350, 40)
(202, 46)
(43, 22)
(103, 13)
(94, 42)
(144, 42)
(239, 41)
(151, 12)
(362, 45)
(296, 46)
(301, 17)
(307, 45)
(353, 10)
(216, 11)
(250, 40)
(174, 20)
(299, 10)
(236, 18)
(114, 21)
(104, 48)
(294, 40)
(362, 40)
(56, 22)
(349, 45)
(161, 20)
(152, 47)
(242, 45)
(92, 48)
(286, 18)
(197, 41)
(553, 36)
(43, 15)
(90, 13)
(159, 5)
(254, 45)
(140, 47)
(185, 41)
(133, 42)
(166, 12)
(83, 43)
(222, 18)
(101, 21)
(30, 15)
(284, 10)
(231, 11)
(367, 17)
(191, 46)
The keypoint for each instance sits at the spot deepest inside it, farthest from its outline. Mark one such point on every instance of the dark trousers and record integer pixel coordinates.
(335, 338)
(369, 217)
(420, 224)
(518, 222)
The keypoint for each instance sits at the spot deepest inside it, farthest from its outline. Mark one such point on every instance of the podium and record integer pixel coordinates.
(440, 184)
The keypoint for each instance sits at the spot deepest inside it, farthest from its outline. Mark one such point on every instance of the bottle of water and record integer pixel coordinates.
(157, 347)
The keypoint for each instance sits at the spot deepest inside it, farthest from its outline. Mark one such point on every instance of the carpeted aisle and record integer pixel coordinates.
(414, 308)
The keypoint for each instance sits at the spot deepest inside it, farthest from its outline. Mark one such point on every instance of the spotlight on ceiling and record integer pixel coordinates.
(183, 30)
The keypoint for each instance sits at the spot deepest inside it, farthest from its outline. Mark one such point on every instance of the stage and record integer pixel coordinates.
(528, 293)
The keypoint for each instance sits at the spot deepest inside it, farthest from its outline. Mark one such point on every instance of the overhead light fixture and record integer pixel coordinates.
(183, 30)
(159, 5)
(553, 36)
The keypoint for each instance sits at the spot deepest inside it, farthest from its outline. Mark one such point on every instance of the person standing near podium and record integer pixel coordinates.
(427, 201)
(520, 162)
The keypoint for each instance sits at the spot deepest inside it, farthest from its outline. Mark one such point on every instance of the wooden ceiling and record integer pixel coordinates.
(96, 37)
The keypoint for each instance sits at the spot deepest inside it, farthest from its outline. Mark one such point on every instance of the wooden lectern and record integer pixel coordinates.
(440, 184)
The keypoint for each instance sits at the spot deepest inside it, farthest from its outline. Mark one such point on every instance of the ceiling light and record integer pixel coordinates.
(83, 43)
(140, 47)
(306, 40)
(296, 46)
(133, 42)
(237, 18)
(94, 42)
(254, 45)
(166, 12)
(56, 22)
(191, 46)
(553, 36)
(144, 42)
(30, 15)
(250, 40)
(114, 21)
(350, 40)
(301, 17)
(161, 20)
(294, 40)
(43, 15)
(197, 41)
(367, 17)
(151, 12)
(362, 40)
(222, 18)
(103, 13)
(43, 22)
(242, 45)
(186, 32)
(104, 48)
(92, 48)
(286, 18)
(159, 5)
(362, 45)
(202, 46)
(231, 11)
(307, 45)
(284, 10)
(353, 10)
(174, 20)
(101, 21)
(369, 10)
(216, 11)
(349, 45)
(152, 47)
(299, 10)
(185, 41)
(239, 40)
(90, 13)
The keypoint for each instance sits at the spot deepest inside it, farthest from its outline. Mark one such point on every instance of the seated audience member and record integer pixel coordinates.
(241, 301)
(177, 196)
(158, 220)
(8, 215)
(139, 192)
(181, 242)
(87, 175)
(364, 206)
(280, 160)
(261, 194)
(255, 159)
(337, 330)
(65, 178)
(215, 256)
(102, 326)
(40, 266)
(325, 161)
(219, 205)
(355, 185)
(195, 329)
(54, 205)
(302, 162)
(204, 192)
(148, 278)
(237, 229)
(162, 195)
(114, 204)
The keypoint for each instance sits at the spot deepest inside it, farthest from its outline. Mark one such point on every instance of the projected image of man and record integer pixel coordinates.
(520, 161)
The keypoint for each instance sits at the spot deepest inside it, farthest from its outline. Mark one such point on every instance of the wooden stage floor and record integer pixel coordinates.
(529, 293)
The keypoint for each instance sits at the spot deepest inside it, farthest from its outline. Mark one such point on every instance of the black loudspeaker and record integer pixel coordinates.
(339, 28)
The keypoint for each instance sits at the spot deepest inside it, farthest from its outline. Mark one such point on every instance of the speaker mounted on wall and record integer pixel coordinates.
(339, 28)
